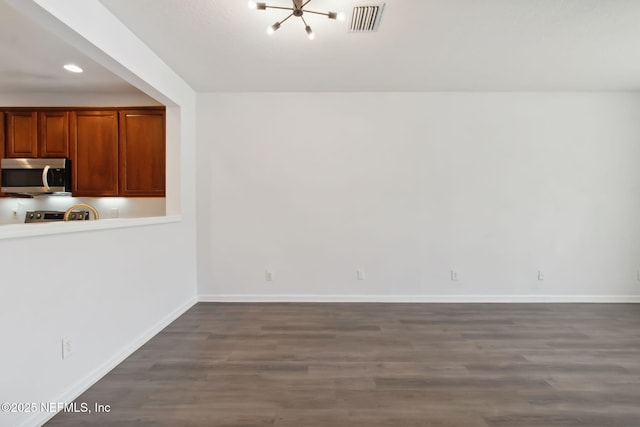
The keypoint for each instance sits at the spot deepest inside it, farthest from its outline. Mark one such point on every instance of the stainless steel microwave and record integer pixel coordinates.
(36, 176)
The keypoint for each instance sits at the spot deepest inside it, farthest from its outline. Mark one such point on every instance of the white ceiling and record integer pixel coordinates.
(32, 60)
(422, 45)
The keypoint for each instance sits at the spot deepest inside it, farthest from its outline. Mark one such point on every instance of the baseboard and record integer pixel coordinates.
(424, 298)
(81, 386)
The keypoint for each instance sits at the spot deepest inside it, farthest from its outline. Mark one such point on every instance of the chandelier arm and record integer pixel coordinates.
(305, 22)
(286, 18)
(304, 4)
(317, 13)
(278, 7)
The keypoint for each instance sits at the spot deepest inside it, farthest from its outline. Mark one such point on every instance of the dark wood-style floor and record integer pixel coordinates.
(468, 365)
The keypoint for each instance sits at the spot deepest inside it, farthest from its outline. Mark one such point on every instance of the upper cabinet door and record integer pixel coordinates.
(142, 153)
(54, 133)
(94, 153)
(1, 143)
(22, 134)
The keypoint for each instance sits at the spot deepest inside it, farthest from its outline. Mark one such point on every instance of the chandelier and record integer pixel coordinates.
(298, 11)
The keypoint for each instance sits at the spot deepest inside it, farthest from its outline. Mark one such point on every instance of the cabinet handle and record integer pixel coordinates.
(45, 178)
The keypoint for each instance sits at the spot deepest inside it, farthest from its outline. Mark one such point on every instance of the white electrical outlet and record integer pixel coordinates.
(67, 347)
(360, 274)
(115, 213)
(540, 275)
(16, 209)
(268, 276)
(454, 276)
(638, 275)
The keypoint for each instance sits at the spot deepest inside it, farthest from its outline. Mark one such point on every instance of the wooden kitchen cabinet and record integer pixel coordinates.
(113, 151)
(142, 153)
(37, 134)
(21, 134)
(1, 145)
(94, 153)
(53, 134)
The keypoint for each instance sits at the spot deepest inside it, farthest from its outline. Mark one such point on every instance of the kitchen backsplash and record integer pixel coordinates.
(13, 210)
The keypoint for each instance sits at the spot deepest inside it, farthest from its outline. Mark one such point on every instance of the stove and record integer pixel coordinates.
(50, 216)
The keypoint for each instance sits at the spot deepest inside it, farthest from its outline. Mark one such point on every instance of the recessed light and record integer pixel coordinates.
(73, 68)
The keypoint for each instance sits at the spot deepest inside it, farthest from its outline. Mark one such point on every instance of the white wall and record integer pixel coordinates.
(75, 99)
(410, 186)
(109, 290)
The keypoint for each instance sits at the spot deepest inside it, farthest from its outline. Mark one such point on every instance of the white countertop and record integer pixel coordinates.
(13, 231)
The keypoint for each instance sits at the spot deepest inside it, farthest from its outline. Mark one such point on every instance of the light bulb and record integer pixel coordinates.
(310, 33)
(272, 29)
(341, 16)
(252, 4)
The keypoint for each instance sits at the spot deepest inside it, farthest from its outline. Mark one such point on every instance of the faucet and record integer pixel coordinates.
(84, 206)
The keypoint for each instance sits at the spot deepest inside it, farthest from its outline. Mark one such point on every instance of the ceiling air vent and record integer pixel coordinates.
(366, 19)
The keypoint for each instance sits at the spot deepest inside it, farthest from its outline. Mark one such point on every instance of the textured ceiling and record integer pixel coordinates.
(422, 45)
(32, 60)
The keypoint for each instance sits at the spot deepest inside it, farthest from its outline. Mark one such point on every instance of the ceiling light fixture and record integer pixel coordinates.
(73, 68)
(298, 11)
